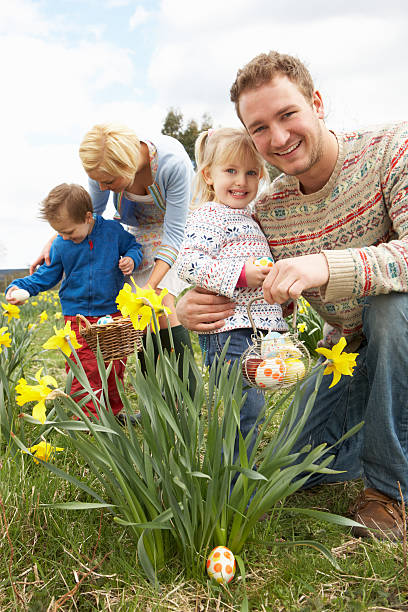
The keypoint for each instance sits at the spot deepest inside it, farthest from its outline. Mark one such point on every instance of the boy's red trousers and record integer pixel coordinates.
(88, 361)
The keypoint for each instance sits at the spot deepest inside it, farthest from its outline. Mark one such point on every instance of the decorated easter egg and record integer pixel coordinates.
(264, 261)
(270, 372)
(288, 349)
(221, 564)
(272, 343)
(21, 295)
(295, 370)
(105, 320)
(249, 367)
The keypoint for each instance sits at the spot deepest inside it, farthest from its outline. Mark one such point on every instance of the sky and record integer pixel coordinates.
(69, 64)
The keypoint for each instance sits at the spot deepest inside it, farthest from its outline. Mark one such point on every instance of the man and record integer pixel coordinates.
(337, 223)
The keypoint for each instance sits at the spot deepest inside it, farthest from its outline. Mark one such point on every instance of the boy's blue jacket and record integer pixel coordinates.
(92, 278)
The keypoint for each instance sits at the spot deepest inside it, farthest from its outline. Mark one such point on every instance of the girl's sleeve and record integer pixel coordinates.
(99, 198)
(199, 260)
(178, 198)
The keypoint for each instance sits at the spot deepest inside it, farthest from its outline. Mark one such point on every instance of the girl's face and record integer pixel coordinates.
(235, 185)
(108, 182)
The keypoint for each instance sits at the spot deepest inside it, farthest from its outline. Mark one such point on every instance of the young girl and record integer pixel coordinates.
(221, 243)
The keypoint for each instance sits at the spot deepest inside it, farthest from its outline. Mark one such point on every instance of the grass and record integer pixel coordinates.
(53, 559)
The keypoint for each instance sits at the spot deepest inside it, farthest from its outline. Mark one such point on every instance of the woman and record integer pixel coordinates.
(151, 187)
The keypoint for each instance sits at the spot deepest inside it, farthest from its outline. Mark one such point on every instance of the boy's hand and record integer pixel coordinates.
(255, 274)
(11, 299)
(126, 265)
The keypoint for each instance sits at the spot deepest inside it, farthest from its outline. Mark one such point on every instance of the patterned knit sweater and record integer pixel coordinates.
(217, 242)
(359, 220)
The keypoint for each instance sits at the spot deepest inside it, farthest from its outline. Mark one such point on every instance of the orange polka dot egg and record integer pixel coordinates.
(221, 564)
(270, 372)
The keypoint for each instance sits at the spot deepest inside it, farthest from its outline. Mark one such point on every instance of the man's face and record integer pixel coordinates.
(286, 128)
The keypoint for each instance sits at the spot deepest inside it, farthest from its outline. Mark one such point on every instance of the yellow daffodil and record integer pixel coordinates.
(12, 311)
(43, 316)
(44, 451)
(5, 339)
(30, 326)
(301, 327)
(60, 340)
(34, 303)
(35, 393)
(339, 363)
(58, 315)
(139, 306)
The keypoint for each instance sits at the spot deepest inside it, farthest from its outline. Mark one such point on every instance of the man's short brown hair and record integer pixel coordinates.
(73, 199)
(264, 67)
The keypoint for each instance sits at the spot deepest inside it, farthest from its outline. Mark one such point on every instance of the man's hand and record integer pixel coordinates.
(255, 274)
(126, 265)
(43, 256)
(289, 277)
(202, 311)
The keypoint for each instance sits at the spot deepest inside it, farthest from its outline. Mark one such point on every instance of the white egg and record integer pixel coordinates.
(21, 295)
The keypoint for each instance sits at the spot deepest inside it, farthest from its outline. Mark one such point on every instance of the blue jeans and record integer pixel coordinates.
(377, 394)
(212, 345)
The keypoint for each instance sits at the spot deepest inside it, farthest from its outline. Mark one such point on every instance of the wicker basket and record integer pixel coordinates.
(116, 340)
(273, 363)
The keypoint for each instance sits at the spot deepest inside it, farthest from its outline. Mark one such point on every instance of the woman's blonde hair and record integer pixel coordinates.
(112, 148)
(219, 147)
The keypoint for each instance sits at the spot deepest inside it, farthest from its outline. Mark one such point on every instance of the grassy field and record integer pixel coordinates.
(53, 559)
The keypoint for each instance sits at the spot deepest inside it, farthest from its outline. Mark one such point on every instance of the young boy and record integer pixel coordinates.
(92, 255)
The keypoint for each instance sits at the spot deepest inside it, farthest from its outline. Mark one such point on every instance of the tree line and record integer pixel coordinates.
(173, 125)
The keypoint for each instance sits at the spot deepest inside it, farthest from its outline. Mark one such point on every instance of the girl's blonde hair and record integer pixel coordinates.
(112, 148)
(220, 147)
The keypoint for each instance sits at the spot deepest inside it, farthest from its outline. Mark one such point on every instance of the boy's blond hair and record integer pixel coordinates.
(72, 200)
(219, 147)
(112, 148)
(266, 66)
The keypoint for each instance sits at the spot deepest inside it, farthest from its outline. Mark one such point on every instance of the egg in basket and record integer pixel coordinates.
(275, 360)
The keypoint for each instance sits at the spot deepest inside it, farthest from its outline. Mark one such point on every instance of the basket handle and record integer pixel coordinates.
(257, 299)
(82, 323)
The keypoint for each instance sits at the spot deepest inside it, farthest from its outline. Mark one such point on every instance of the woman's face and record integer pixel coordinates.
(108, 182)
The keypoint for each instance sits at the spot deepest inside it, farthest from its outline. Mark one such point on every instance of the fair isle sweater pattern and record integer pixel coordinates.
(217, 242)
(359, 220)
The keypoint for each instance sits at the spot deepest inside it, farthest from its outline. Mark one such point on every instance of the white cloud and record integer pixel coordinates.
(52, 94)
(61, 76)
(22, 17)
(139, 17)
(353, 53)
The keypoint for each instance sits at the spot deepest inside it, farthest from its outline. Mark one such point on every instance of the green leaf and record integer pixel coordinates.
(145, 562)
(320, 515)
(316, 545)
(79, 505)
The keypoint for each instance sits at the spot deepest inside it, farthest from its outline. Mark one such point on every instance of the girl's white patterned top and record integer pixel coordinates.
(217, 242)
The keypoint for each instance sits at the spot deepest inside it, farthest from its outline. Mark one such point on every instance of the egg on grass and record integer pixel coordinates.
(221, 564)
